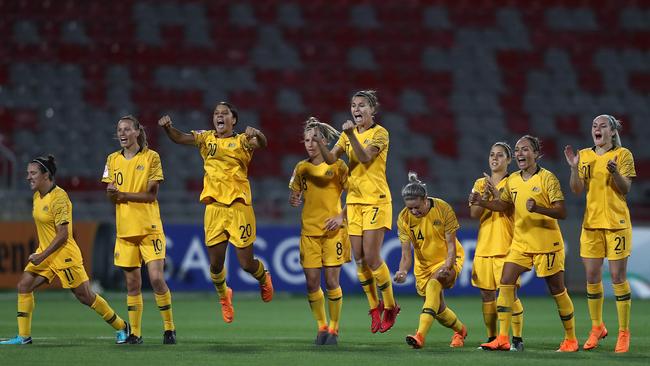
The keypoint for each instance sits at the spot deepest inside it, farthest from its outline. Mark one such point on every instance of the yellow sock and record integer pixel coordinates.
(219, 281)
(623, 295)
(335, 303)
(368, 284)
(107, 313)
(490, 318)
(565, 308)
(504, 308)
(317, 305)
(24, 315)
(595, 302)
(164, 303)
(430, 307)
(517, 318)
(385, 285)
(260, 274)
(447, 318)
(135, 305)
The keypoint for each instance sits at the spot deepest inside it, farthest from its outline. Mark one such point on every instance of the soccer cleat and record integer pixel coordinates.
(458, 339)
(266, 289)
(517, 344)
(133, 339)
(390, 315)
(18, 340)
(416, 341)
(122, 335)
(568, 345)
(623, 342)
(332, 338)
(490, 339)
(375, 316)
(597, 333)
(321, 336)
(500, 343)
(169, 337)
(227, 310)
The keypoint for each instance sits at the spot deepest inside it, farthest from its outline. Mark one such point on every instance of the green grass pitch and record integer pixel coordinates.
(282, 333)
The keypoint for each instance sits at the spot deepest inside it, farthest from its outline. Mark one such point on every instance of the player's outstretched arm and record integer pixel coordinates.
(175, 135)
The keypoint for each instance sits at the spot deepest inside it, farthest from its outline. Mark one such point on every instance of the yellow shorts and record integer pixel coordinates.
(234, 223)
(130, 252)
(486, 272)
(421, 279)
(332, 249)
(546, 264)
(369, 217)
(71, 277)
(603, 243)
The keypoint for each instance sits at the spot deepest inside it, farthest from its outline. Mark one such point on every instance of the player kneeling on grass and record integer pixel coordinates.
(429, 225)
(57, 254)
(324, 238)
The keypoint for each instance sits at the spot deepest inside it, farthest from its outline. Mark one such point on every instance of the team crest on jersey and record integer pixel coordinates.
(437, 222)
(139, 167)
(536, 189)
(116, 255)
(231, 145)
(329, 173)
(45, 208)
(366, 142)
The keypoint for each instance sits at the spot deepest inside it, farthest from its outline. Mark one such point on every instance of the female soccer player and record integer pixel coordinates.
(535, 195)
(229, 215)
(494, 238)
(57, 254)
(133, 175)
(369, 210)
(324, 241)
(428, 226)
(605, 171)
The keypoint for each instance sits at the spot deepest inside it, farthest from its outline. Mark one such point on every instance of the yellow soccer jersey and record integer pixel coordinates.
(133, 176)
(427, 234)
(534, 232)
(495, 228)
(606, 208)
(321, 187)
(49, 211)
(368, 183)
(225, 162)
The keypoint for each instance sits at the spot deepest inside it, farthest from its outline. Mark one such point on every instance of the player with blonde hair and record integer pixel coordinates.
(427, 226)
(605, 171)
(369, 209)
(324, 241)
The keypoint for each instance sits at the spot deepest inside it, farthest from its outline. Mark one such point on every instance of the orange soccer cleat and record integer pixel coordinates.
(597, 333)
(266, 289)
(227, 310)
(623, 342)
(416, 341)
(500, 343)
(458, 339)
(568, 345)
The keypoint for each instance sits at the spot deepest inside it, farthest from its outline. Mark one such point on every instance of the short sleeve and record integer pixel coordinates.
(626, 164)
(379, 139)
(343, 174)
(294, 182)
(155, 169)
(243, 141)
(60, 209)
(199, 137)
(505, 193)
(450, 220)
(106, 177)
(343, 140)
(553, 188)
(402, 228)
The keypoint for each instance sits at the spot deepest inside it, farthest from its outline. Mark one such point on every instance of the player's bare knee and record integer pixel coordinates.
(332, 283)
(488, 295)
(618, 276)
(216, 268)
(159, 285)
